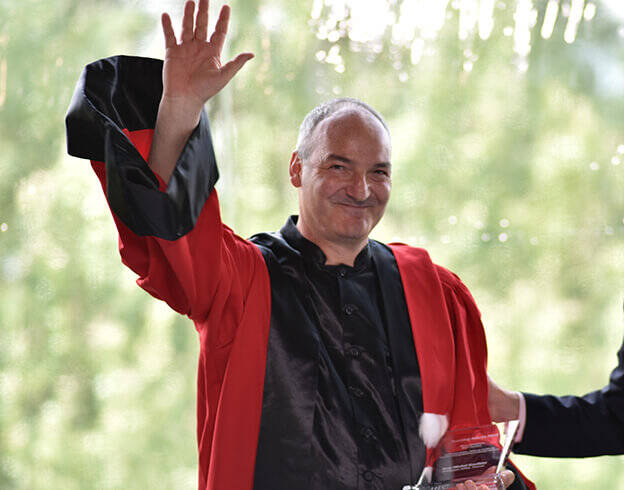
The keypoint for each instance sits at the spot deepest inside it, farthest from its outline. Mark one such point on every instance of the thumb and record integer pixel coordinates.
(232, 67)
(508, 477)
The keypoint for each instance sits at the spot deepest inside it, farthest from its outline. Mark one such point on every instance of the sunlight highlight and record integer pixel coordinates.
(369, 19)
(524, 17)
(550, 17)
(576, 14)
(486, 18)
(468, 15)
(414, 24)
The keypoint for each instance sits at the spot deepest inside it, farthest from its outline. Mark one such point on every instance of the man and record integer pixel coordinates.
(566, 426)
(328, 360)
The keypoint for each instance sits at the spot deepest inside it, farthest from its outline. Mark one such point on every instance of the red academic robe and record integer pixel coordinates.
(220, 281)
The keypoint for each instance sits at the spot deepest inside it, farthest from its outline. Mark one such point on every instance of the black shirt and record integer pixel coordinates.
(358, 440)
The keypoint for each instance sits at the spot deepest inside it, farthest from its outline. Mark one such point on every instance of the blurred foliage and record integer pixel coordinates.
(508, 167)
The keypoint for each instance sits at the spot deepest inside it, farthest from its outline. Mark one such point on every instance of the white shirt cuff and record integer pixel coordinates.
(521, 418)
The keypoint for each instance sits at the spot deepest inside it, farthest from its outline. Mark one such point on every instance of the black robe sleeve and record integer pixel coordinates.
(119, 95)
(171, 236)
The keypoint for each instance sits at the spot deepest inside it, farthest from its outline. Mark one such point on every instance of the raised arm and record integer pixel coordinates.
(171, 234)
(192, 74)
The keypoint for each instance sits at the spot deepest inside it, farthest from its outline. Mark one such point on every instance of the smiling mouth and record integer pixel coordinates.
(355, 206)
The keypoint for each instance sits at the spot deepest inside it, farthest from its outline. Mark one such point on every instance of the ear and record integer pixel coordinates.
(295, 168)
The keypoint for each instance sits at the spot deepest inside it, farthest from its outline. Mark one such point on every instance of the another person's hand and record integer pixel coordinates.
(504, 405)
(506, 476)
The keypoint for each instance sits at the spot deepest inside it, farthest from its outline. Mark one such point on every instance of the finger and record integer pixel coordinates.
(187, 21)
(201, 22)
(231, 68)
(170, 39)
(508, 478)
(218, 36)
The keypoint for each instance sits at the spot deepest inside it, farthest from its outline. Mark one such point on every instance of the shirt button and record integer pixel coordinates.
(342, 272)
(356, 392)
(353, 351)
(368, 475)
(367, 432)
(349, 309)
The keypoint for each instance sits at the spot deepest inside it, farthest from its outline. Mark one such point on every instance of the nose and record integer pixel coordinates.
(358, 188)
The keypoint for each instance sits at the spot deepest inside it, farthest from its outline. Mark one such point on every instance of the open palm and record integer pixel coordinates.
(193, 70)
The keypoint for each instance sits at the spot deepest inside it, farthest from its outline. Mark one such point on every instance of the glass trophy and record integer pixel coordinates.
(472, 453)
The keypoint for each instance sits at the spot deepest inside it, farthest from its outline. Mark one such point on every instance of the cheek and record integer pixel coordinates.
(318, 196)
(326, 188)
(382, 191)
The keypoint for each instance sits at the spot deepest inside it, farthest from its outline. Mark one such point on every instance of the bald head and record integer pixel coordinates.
(325, 111)
(342, 171)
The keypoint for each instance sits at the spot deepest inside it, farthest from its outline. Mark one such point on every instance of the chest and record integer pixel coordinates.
(342, 378)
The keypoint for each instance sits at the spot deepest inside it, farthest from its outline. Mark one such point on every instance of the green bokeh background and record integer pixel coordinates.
(509, 169)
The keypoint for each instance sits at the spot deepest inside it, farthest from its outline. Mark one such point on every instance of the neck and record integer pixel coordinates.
(336, 252)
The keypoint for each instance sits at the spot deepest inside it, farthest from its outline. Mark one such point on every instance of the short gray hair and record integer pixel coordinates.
(323, 111)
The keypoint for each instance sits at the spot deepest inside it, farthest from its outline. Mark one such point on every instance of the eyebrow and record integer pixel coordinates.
(340, 158)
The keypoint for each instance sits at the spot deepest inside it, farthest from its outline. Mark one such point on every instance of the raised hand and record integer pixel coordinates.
(193, 70)
(192, 74)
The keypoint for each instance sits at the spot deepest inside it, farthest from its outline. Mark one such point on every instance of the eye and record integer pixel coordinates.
(381, 173)
(337, 167)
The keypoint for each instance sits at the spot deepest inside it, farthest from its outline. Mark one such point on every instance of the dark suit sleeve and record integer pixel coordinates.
(574, 426)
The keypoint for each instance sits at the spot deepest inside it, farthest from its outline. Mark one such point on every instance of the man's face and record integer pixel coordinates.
(344, 183)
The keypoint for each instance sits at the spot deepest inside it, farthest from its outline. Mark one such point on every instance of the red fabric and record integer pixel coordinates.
(221, 282)
(451, 350)
(450, 342)
(431, 327)
(218, 280)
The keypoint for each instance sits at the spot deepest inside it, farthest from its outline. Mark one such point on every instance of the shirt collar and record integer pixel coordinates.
(313, 253)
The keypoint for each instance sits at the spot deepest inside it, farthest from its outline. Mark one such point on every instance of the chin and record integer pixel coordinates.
(354, 233)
